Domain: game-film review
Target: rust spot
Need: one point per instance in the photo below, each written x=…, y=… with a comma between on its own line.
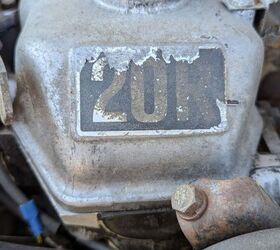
x=235, y=207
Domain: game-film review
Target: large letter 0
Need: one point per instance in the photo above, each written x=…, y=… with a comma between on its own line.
x=160, y=91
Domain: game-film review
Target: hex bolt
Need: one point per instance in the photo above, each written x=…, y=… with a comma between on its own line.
x=189, y=201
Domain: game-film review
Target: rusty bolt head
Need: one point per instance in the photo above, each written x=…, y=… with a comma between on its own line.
x=189, y=201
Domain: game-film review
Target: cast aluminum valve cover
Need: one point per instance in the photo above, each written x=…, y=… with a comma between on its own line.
x=116, y=108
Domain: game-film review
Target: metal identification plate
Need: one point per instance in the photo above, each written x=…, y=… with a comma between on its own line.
x=151, y=91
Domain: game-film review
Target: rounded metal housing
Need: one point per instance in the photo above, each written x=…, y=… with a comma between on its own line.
x=89, y=173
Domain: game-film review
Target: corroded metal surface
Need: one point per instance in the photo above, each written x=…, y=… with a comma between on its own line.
x=235, y=207
x=6, y=103
x=87, y=174
x=151, y=91
x=141, y=6
x=248, y=4
x=190, y=202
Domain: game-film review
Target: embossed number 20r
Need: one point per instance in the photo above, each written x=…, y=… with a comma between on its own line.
x=137, y=96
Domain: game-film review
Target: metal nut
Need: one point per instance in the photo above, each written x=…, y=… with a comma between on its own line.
x=189, y=201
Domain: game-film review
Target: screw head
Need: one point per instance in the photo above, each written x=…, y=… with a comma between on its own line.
x=189, y=201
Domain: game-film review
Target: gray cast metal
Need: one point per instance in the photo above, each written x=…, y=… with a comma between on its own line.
x=94, y=166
